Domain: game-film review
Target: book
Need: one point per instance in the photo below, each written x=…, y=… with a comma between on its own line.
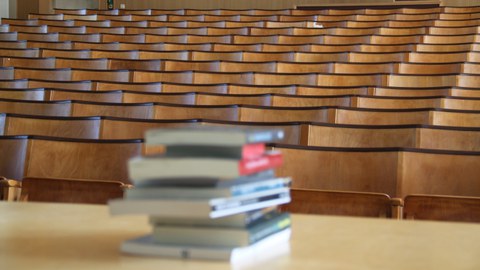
x=154, y=167
x=204, y=208
x=221, y=236
x=212, y=135
x=241, y=220
x=271, y=247
x=179, y=192
x=210, y=182
x=246, y=151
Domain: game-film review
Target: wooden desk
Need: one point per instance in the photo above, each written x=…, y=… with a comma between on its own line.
x=62, y=236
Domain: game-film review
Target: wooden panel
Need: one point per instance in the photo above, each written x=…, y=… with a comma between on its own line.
x=455, y=119
x=110, y=96
x=209, y=99
x=90, y=159
x=184, y=98
x=372, y=117
x=12, y=160
x=360, y=137
x=23, y=94
x=130, y=129
x=226, y=113
x=81, y=85
x=221, y=77
x=97, y=64
x=323, y=202
x=201, y=88
x=397, y=103
x=175, y=77
x=71, y=191
x=316, y=168
x=309, y=101
x=54, y=127
x=101, y=75
x=439, y=174
x=284, y=79
x=260, y=89
x=142, y=111
x=58, y=108
x=275, y=114
x=446, y=139
x=442, y=208
x=138, y=87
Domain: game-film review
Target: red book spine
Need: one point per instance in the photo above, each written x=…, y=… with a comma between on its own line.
x=265, y=162
x=251, y=151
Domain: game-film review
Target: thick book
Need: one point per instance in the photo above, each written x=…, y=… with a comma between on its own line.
x=212, y=135
x=205, y=208
x=154, y=167
x=246, y=151
x=192, y=193
x=221, y=236
x=269, y=248
x=241, y=220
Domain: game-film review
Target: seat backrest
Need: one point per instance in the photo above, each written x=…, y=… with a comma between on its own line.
x=70, y=190
x=444, y=208
x=12, y=159
x=323, y=202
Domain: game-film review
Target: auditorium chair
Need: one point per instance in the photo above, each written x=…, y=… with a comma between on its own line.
x=57, y=74
x=218, y=47
x=193, y=24
x=297, y=39
x=391, y=91
x=343, y=31
x=361, y=68
x=91, y=17
x=80, y=159
x=124, y=110
x=464, y=92
x=340, y=203
x=52, y=37
x=215, y=112
x=151, y=38
x=120, y=54
x=8, y=36
x=408, y=23
x=302, y=90
x=37, y=29
x=245, y=66
x=345, y=80
x=19, y=22
x=186, y=31
x=109, y=17
x=134, y=64
x=126, y=46
x=370, y=102
x=62, y=23
x=430, y=68
x=442, y=208
x=285, y=48
x=58, y=45
x=420, y=81
x=263, y=31
x=40, y=17
x=173, y=98
x=95, y=96
x=23, y=94
x=96, y=23
x=296, y=101
x=157, y=24
x=126, y=128
x=303, y=67
x=283, y=114
x=68, y=29
x=358, y=116
x=219, y=31
x=79, y=37
x=178, y=65
x=202, y=88
x=17, y=44
x=165, y=76
x=254, y=23
x=455, y=118
x=146, y=12
x=168, y=11
x=28, y=62
x=137, y=87
x=377, y=57
x=325, y=48
x=284, y=78
x=45, y=108
x=105, y=30
x=387, y=48
x=82, y=54
x=230, y=99
x=63, y=127
x=6, y=52
x=14, y=152
x=455, y=23
x=71, y=190
x=75, y=63
x=135, y=38
x=261, y=89
x=139, y=17
x=71, y=85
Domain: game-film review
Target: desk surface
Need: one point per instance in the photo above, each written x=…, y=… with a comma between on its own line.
x=72, y=236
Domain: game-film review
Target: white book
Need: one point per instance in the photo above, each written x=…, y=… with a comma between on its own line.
x=269, y=248
x=202, y=208
x=212, y=135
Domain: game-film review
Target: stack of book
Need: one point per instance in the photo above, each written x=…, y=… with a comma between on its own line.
x=212, y=195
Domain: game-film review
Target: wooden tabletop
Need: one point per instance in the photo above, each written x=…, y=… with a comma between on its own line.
x=74, y=236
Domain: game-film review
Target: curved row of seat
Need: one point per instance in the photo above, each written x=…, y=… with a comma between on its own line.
x=296, y=133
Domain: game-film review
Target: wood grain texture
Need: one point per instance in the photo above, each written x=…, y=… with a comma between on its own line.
x=444, y=208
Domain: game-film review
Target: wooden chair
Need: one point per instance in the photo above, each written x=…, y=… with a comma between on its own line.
x=300, y=67
x=261, y=89
x=60, y=45
x=138, y=87
x=327, y=135
x=23, y=94
x=80, y=159
x=123, y=110
x=192, y=24
x=39, y=36
x=285, y=78
x=19, y=22
x=70, y=85
x=268, y=56
x=220, y=88
x=283, y=114
x=386, y=48
x=118, y=128
x=369, y=170
x=173, y=98
x=310, y=101
x=68, y=29
x=7, y=73
x=455, y=118
x=45, y=16
x=165, y=76
x=316, y=57
x=244, y=66
x=286, y=48
x=176, y=65
x=137, y=38
x=173, y=55
x=14, y=153
x=29, y=28
x=219, y=31
x=80, y=37
x=410, y=91
x=382, y=117
x=146, y=30
x=188, y=47
x=263, y=31
x=452, y=30
x=448, y=138
x=327, y=202
x=75, y=63
x=223, y=77
x=71, y=190
x=59, y=74
x=361, y=68
x=331, y=91
x=20, y=52
x=141, y=46
x=9, y=36
x=230, y=99
x=429, y=68
x=219, y=112
x=79, y=22
x=442, y=208
x=115, y=54
x=82, y=54
x=105, y=30
x=419, y=81
x=398, y=102
x=95, y=96
x=31, y=107
x=22, y=44
x=63, y=127
x=338, y=48
x=439, y=172
x=134, y=64
x=186, y=31
x=150, y=38
x=82, y=11
x=346, y=80
x=375, y=57
x=217, y=47
x=434, y=57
